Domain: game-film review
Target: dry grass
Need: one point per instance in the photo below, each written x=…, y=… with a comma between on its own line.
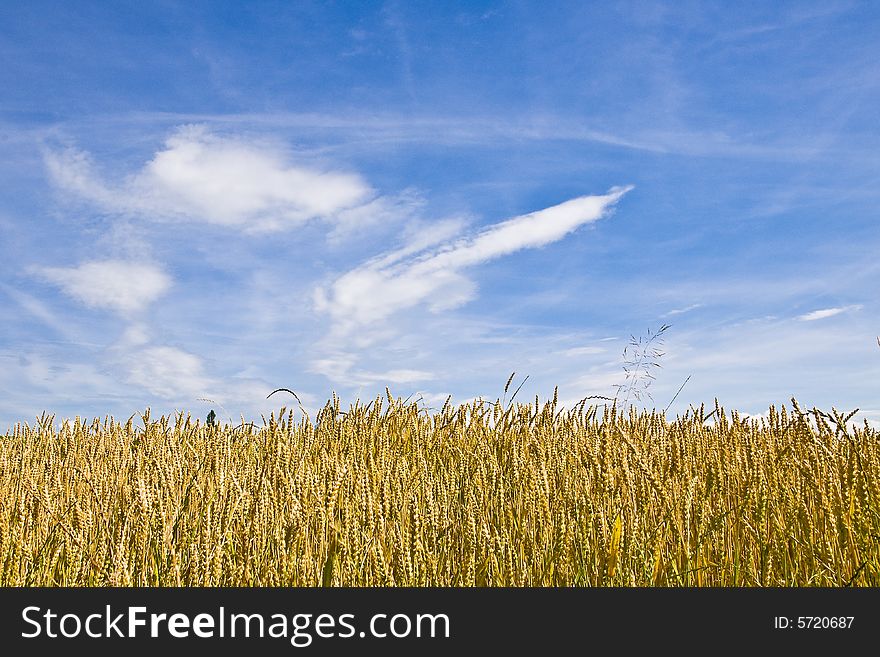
x=476, y=495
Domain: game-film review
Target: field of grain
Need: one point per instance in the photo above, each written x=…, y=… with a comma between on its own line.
x=391, y=494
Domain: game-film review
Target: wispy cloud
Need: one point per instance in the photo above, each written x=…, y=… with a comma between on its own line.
x=37, y=309
x=399, y=211
x=583, y=351
x=380, y=129
x=396, y=376
x=681, y=311
x=599, y=380
x=406, y=278
x=122, y=286
x=168, y=372
x=67, y=381
x=787, y=20
x=335, y=365
x=340, y=367
x=230, y=181
x=394, y=20
x=827, y=312
x=176, y=374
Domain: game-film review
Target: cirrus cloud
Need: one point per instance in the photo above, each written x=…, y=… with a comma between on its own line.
x=229, y=181
x=403, y=279
x=122, y=286
x=827, y=312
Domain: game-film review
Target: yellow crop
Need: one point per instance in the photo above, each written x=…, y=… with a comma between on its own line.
x=478, y=495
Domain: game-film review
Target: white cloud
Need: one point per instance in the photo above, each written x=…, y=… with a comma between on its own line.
x=174, y=374
x=381, y=213
x=410, y=276
x=334, y=366
x=339, y=366
x=680, y=311
x=135, y=335
x=167, y=372
x=199, y=176
x=583, y=351
x=420, y=235
x=74, y=171
x=118, y=285
x=599, y=381
x=827, y=312
x=397, y=376
x=66, y=380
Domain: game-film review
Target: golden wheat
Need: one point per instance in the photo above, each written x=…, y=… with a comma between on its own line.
x=478, y=495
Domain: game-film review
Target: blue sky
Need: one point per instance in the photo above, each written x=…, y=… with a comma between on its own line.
x=210, y=201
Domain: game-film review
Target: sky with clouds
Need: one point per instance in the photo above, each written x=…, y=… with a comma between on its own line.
x=211, y=200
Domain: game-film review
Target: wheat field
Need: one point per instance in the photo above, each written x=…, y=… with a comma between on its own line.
x=391, y=494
